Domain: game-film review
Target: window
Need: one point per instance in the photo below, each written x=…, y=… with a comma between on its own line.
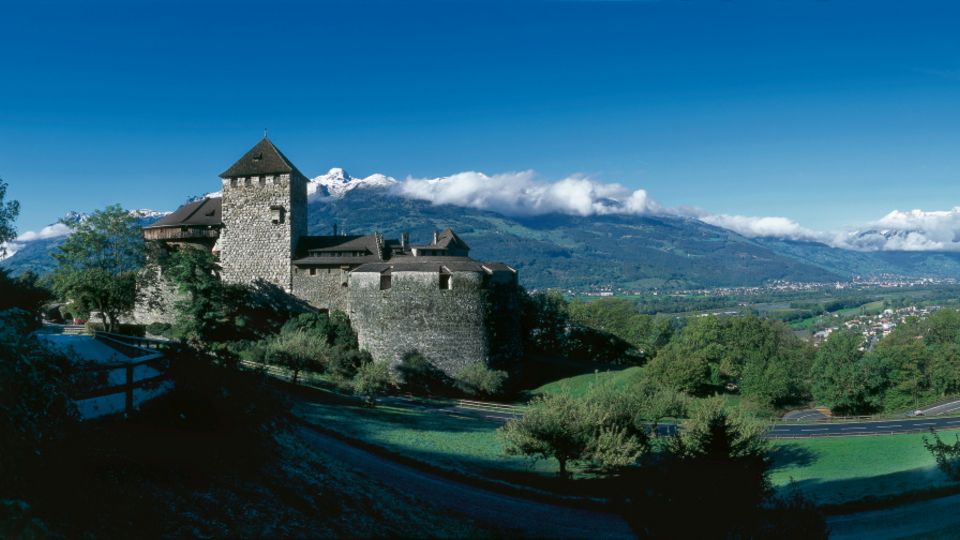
x=313, y=271
x=385, y=282
x=445, y=282
x=277, y=215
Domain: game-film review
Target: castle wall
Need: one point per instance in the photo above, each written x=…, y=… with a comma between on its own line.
x=323, y=290
x=448, y=327
x=252, y=246
x=156, y=298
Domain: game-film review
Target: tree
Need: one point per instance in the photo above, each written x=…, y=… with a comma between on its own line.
x=8, y=214
x=478, y=380
x=372, y=380
x=843, y=378
x=947, y=455
x=554, y=426
x=98, y=262
x=35, y=407
x=210, y=315
x=545, y=321
x=298, y=351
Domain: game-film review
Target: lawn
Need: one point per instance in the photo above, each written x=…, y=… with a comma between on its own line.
x=466, y=445
x=834, y=470
x=579, y=384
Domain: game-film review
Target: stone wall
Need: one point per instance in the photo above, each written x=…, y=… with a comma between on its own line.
x=253, y=246
x=448, y=327
x=325, y=289
x=156, y=297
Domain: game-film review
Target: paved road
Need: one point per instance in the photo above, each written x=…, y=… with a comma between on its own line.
x=871, y=427
x=532, y=518
x=83, y=348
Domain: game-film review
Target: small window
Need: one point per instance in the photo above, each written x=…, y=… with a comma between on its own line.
x=445, y=282
x=277, y=214
x=385, y=281
x=313, y=271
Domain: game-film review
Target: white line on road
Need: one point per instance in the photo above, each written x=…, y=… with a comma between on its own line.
x=890, y=426
x=925, y=424
x=848, y=428
x=818, y=429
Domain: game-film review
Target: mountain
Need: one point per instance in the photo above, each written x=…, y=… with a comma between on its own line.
x=337, y=183
x=32, y=251
x=575, y=252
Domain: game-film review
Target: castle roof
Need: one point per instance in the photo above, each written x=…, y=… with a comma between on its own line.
x=263, y=158
x=338, y=250
x=197, y=213
x=407, y=263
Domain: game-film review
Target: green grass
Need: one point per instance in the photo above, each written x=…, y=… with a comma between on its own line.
x=834, y=470
x=578, y=385
x=465, y=445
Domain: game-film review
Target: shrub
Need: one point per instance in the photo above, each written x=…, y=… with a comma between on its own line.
x=35, y=407
x=371, y=380
x=420, y=376
x=137, y=330
x=479, y=380
x=159, y=329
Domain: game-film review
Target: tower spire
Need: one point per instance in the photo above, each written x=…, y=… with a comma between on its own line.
x=264, y=133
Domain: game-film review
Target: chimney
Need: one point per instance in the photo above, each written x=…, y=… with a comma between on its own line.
x=334, y=228
x=436, y=237
x=404, y=240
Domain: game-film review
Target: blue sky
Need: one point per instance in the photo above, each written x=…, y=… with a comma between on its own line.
x=830, y=113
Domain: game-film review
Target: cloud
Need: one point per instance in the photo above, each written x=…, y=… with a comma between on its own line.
x=50, y=231
x=523, y=194
x=7, y=249
x=916, y=230
x=768, y=226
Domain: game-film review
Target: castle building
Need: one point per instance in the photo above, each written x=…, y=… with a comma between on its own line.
x=429, y=298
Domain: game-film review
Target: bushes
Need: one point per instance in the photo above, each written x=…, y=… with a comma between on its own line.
x=480, y=381
x=371, y=380
x=35, y=407
x=137, y=330
x=159, y=329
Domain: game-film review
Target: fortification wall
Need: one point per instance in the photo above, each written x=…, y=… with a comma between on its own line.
x=448, y=327
x=252, y=245
x=325, y=289
x=156, y=297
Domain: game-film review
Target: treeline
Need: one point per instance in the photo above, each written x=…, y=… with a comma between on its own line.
x=757, y=358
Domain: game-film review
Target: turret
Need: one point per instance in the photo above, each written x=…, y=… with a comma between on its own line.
x=264, y=216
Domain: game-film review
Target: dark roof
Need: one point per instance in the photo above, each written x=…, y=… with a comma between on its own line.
x=264, y=158
x=337, y=243
x=432, y=264
x=203, y=212
x=449, y=239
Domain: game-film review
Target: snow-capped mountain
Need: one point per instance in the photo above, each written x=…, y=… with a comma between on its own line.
x=337, y=182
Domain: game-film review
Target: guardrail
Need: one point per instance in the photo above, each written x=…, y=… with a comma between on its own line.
x=100, y=394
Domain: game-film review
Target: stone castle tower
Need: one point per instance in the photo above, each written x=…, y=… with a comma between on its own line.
x=264, y=217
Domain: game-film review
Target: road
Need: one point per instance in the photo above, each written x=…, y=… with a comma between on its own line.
x=868, y=427
x=532, y=518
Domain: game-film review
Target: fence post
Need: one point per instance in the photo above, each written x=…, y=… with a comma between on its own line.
x=129, y=405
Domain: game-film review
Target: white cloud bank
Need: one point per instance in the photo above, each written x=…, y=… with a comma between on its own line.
x=522, y=194
x=50, y=231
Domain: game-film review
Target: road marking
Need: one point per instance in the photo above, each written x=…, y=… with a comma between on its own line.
x=849, y=428
x=954, y=422
x=818, y=429
x=924, y=424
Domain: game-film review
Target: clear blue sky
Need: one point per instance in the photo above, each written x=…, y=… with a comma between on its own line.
x=828, y=112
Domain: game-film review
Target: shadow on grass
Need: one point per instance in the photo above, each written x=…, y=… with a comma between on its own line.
x=870, y=493
x=792, y=455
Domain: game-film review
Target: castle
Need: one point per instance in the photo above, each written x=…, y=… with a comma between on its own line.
x=429, y=298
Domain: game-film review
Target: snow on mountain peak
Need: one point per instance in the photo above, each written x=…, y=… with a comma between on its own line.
x=337, y=182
